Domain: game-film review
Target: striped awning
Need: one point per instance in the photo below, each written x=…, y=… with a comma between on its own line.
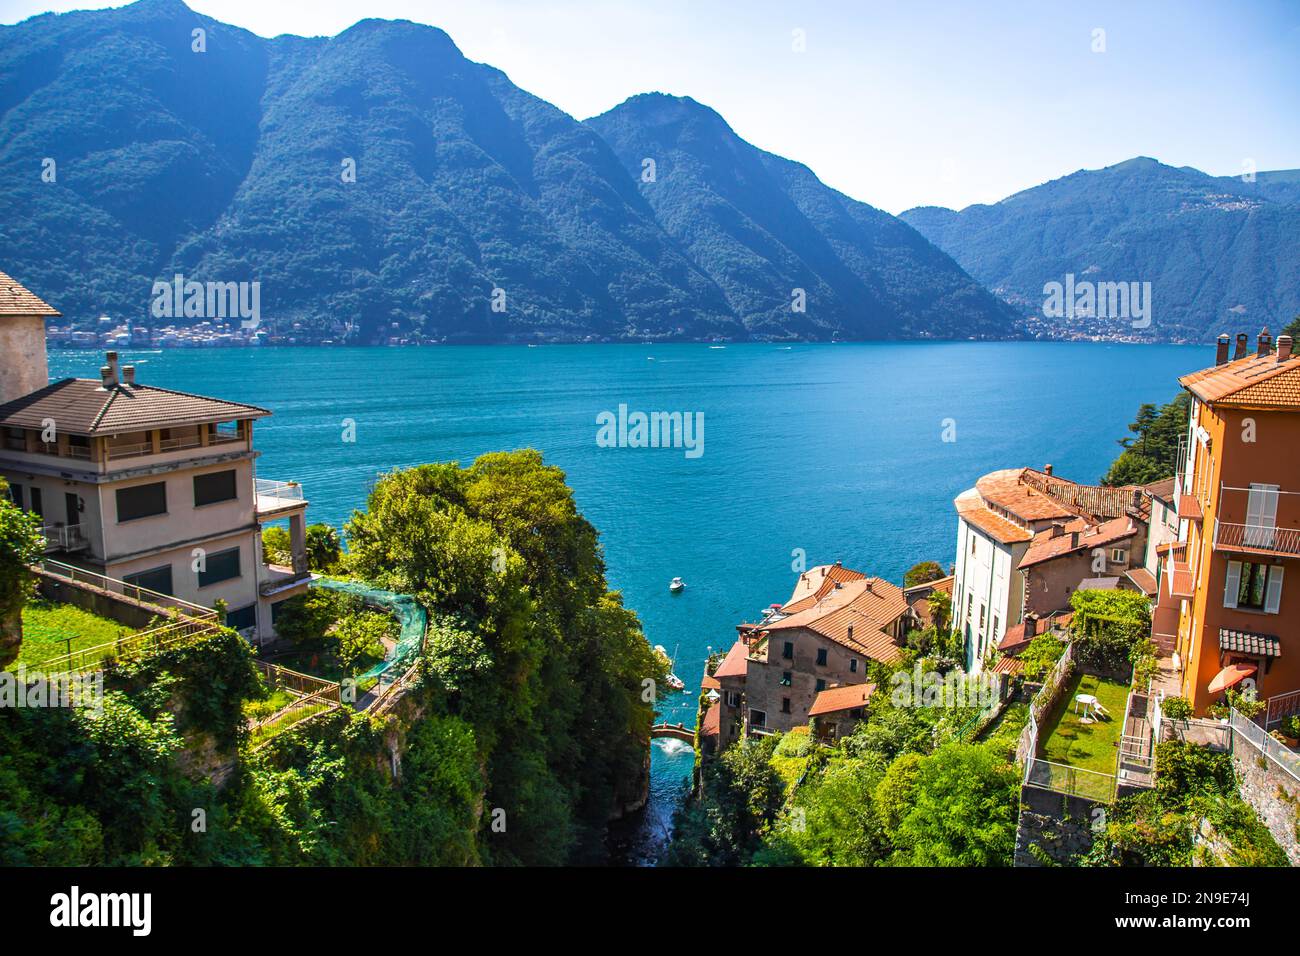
x=1248, y=642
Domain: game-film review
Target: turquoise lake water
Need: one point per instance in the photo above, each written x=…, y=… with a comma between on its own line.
x=836, y=450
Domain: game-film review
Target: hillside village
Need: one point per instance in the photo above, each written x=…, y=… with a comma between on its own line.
x=1110, y=625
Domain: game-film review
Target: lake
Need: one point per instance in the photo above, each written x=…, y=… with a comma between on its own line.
x=830, y=452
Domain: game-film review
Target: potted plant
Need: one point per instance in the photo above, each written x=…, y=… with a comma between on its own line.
x=1176, y=708
x=1291, y=730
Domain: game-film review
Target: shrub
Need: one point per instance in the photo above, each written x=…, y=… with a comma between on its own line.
x=1041, y=656
x=1176, y=708
x=1291, y=726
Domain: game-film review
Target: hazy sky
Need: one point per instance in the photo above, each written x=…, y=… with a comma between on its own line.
x=897, y=104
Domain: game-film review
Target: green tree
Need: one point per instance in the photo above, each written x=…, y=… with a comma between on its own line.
x=20, y=546
x=1151, y=453
x=964, y=811
x=361, y=636
x=923, y=572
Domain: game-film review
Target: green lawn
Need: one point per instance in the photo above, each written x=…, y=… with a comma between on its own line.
x=1065, y=739
x=52, y=630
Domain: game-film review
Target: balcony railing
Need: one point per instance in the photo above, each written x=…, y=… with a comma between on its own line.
x=1253, y=537
x=65, y=537
x=277, y=495
x=140, y=449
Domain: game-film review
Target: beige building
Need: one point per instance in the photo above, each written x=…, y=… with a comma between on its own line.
x=779, y=670
x=148, y=485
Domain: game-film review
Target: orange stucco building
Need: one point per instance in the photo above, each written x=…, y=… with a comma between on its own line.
x=1229, y=599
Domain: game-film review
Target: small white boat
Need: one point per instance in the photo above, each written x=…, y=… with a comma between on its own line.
x=672, y=680
x=676, y=584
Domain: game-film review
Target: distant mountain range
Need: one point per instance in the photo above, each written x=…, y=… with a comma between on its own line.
x=479, y=213
x=1220, y=253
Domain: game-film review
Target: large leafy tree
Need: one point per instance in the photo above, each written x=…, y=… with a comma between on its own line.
x=531, y=648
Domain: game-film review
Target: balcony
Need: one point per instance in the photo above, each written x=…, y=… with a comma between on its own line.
x=65, y=537
x=1266, y=540
x=278, y=499
x=278, y=578
x=165, y=445
x=1178, y=572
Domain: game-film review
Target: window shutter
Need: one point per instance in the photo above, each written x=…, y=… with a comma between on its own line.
x=1273, y=600
x=1232, y=585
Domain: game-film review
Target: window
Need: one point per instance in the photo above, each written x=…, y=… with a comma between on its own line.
x=218, y=486
x=275, y=612
x=785, y=705
x=996, y=622
x=821, y=657
x=733, y=698
x=757, y=718
x=821, y=685
x=853, y=665
x=141, y=501
x=787, y=652
x=1118, y=555
x=38, y=506
x=1253, y=586
x=244, y=617
x=221, y=566
x=155, y=579
x=785, y=678
x=16, y=494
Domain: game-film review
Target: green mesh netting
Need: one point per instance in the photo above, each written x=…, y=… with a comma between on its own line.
x=412, y=617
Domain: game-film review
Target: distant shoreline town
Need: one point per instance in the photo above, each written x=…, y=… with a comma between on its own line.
x=109, y=334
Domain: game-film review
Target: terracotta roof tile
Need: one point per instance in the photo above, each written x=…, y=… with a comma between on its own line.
x=1252, y=381
x=1009, y=665
x=971, y=509
x=16, y=300
x=1045, y=546
x=733, y=665
x=1006, y=489
x=815, y=583
x=81, y=406
x=855, y=616
x=835, y=699
x=712, y=723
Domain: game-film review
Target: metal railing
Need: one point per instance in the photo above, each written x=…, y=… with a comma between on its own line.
x=133, y=591
x=1254, y=537
x=130, y=645
x=1265, y=743
x=65, y=537
x=1074, y=781
x=1280, y=707
x=277, y=494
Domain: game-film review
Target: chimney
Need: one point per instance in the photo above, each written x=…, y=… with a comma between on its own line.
x=128, y=375
x=1283, y=347
x=850, y=632
x=839, y=564
x=1058, y=529
x=1265, y=343
x=1047, y=469
x=1221, y=350
x=1243, y=345
x=109, y=370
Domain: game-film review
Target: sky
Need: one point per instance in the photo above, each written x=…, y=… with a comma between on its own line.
x=898, y=104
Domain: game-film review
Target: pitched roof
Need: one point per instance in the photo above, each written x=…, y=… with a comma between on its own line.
x=815, y=583
x=1009, y=665
x=1047, y=545
x=16, y=300
x=733, y=665
x=712, y=721
x=1162, y=489
x=971, y=510
x=841, y=698
x=82, y=406
x=1006, y=489
x=1252, y=381
x=1144, y=580
x=854, y=615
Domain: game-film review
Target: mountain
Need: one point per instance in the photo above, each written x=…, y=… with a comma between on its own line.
x=1220, y=253
x=477, y=213
x=761, y=226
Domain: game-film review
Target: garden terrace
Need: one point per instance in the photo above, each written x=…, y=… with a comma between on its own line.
x=1078, y=755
